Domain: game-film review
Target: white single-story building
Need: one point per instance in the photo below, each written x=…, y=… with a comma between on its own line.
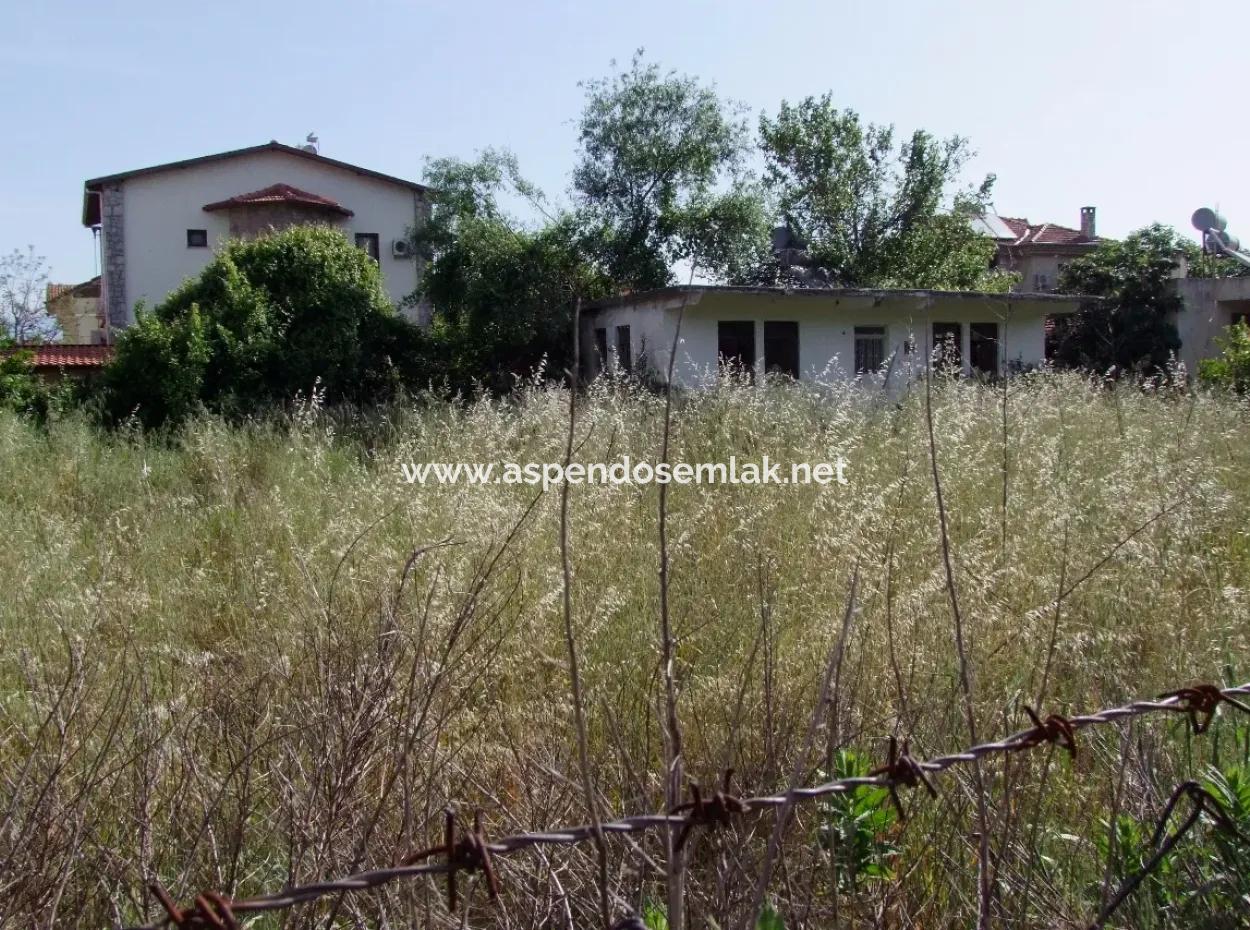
x=817, y=333
x=161, y=225
x=1210, y=306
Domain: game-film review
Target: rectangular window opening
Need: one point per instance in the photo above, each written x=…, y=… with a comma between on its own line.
x=869, y=348
x=197, y=238
x=781, y=348
x=601, y=349
x=368, y=242
x=983, y=348
x=624, y=349
x=948, y=346
x=736, y=346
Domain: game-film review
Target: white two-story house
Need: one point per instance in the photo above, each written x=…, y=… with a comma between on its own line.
x=161, y=225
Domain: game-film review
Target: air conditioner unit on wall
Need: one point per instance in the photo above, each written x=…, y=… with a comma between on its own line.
x=401, y=248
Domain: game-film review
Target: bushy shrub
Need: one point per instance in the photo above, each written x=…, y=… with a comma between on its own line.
x=1232, y=368
x=22, y=391
x=266, y=320
x=17, y=379
x=1130, y=328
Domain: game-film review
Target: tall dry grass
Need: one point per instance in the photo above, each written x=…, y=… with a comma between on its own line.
x=254, y=656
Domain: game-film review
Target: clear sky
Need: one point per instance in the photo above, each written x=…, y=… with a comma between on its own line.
x=1114, y=103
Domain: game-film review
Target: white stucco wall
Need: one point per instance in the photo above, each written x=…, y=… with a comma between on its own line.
x=826, y=329
x=159, y=209
x=1208, y=308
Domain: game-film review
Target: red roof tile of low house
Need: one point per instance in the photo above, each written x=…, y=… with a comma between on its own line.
x=64, y=355
x=1044, y=233
x=281, y=193
x=86, y=289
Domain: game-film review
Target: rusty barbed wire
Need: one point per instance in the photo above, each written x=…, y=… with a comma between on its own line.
x=1204, y=802
x=472, y=852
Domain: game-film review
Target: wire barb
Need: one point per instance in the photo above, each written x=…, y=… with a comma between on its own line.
x=715, y=811
x=1203, y=802
x=209, y=910
x=1200, y=702
x=902, y=769
x=469, y=853
x=1054, y=729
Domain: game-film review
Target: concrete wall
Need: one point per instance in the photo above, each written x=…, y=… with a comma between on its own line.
x=826, y=330
x=1209, y=305
x=1031, y=266
x=158, y=209
x=79, y=318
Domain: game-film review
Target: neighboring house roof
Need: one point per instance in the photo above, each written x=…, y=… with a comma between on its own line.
x=281, y=193
x=60, y=355
x=698, y=290
x=86, y=289
x=91, y=200
x=1027, y=233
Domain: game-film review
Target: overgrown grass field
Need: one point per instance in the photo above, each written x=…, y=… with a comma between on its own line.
x=248, y=656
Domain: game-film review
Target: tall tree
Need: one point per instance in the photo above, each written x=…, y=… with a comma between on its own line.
x=659, y=178
x=502, y=291
x=24, y=316
x=1132, y=327
x=872, y=213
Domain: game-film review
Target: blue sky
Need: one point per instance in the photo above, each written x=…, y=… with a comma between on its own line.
x=1106, y=102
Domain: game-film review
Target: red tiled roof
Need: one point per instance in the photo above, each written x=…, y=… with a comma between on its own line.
x=281, y=193
x=86, y=289
x=64, y=355
x=1044, y=233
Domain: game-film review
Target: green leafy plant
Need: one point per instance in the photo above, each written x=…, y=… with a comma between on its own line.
x=856, y=826
x=1232, y=368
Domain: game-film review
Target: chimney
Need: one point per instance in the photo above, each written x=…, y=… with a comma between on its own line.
x=1087, y=223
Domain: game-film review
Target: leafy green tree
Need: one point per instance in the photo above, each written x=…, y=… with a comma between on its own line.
x=502, y=293
x=265, y=320
x=1131, y=328
x=659, y=179
x=872, y=212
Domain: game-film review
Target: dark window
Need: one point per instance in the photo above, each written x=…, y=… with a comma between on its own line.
x=369, y=243
x=781, y=347
x=948, y=345
x=736, y=345
x=197, y=238
x=624, y=351
x=1239, y=317
x=601, y=349
x=869, y=348
x=983, y=347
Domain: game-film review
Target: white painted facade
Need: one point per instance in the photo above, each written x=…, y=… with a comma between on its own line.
x=826, y=328
x=154, y=209
x=1210, y=306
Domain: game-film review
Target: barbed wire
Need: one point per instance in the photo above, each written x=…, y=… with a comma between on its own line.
x=470, y=851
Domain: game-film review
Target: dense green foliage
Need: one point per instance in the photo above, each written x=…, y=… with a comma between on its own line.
x=659, y=179
x=503, y=294
x=873, y=213
x=298, y=311
x=1131, y=327
x=18, y=385
x=1232, y=368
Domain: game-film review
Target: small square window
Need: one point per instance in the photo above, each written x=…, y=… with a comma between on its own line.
x=197, y=238
x=368, y=242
